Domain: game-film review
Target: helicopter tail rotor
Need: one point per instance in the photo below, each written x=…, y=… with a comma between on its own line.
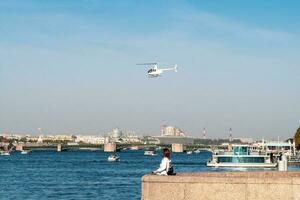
x=175, y=68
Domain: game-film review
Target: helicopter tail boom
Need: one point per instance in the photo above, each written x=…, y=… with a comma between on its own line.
x=171, y=69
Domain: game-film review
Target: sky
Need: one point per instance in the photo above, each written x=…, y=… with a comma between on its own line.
x=70, y=66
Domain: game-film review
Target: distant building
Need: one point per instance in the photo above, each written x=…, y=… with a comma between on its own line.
x=11, y=136
x=178, y=140
x=150, y=140
x=276, y=146
x=88, y=139
x=171, y=131
x=172, y=134
x=124, y=137
x=116, y=132
x=245, y=140
x=40, y=140
x=63, y=137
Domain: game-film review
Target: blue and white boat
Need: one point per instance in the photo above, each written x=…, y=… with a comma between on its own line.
x=241, y=157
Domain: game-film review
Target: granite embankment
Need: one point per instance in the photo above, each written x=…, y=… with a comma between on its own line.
x=223, y=186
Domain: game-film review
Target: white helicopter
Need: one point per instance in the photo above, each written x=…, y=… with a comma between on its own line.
x=155, y=72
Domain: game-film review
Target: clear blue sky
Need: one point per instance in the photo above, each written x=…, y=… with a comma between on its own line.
x=69, y=66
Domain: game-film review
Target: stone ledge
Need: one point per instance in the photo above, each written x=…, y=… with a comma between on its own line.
x=235, y=174
x=223, y=185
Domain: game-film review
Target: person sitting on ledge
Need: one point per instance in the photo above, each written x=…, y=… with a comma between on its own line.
x=165, y=167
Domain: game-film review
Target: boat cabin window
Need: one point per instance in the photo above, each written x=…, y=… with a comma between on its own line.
x=271, y=148
x=241, y=159
x=241, y=150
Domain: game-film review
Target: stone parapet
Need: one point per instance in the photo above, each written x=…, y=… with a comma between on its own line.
x=223, y=186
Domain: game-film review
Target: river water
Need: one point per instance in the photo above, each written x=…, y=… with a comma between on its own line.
x=84, y=174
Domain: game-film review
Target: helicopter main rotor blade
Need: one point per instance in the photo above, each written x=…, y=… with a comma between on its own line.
x=146, y=63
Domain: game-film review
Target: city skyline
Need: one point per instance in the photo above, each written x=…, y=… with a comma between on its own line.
x=70, y=66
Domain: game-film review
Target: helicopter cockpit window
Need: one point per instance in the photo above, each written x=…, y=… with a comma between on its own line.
x=151, y=70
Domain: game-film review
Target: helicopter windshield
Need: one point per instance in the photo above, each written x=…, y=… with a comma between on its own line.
x=151, y=70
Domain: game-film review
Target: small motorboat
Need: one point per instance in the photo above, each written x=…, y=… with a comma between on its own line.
x=197, y=151
x=113, y=158
x=5, y=153
x=24, y=152
x=150, y=153
x=189, y=152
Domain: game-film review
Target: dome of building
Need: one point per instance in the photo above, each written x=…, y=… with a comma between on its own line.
x=116, y=132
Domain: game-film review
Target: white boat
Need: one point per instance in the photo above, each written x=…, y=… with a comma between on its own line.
x=197, y=151
x=134, y=148
x=24, y=152
x=5, y=153
x=189, y=152
x=150, y=153
x=113, y=158
x=240, y=157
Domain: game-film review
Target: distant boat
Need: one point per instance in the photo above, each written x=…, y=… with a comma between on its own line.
x=134, y=148
x=72, y=143
x=197, y=151
x=89, y=148
x=150, y=153
x=241, y=157
x=189, y=152
x=113, y=158
x=24, y=152
x=5, y=153
x=158, y=148
x=293, y=161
